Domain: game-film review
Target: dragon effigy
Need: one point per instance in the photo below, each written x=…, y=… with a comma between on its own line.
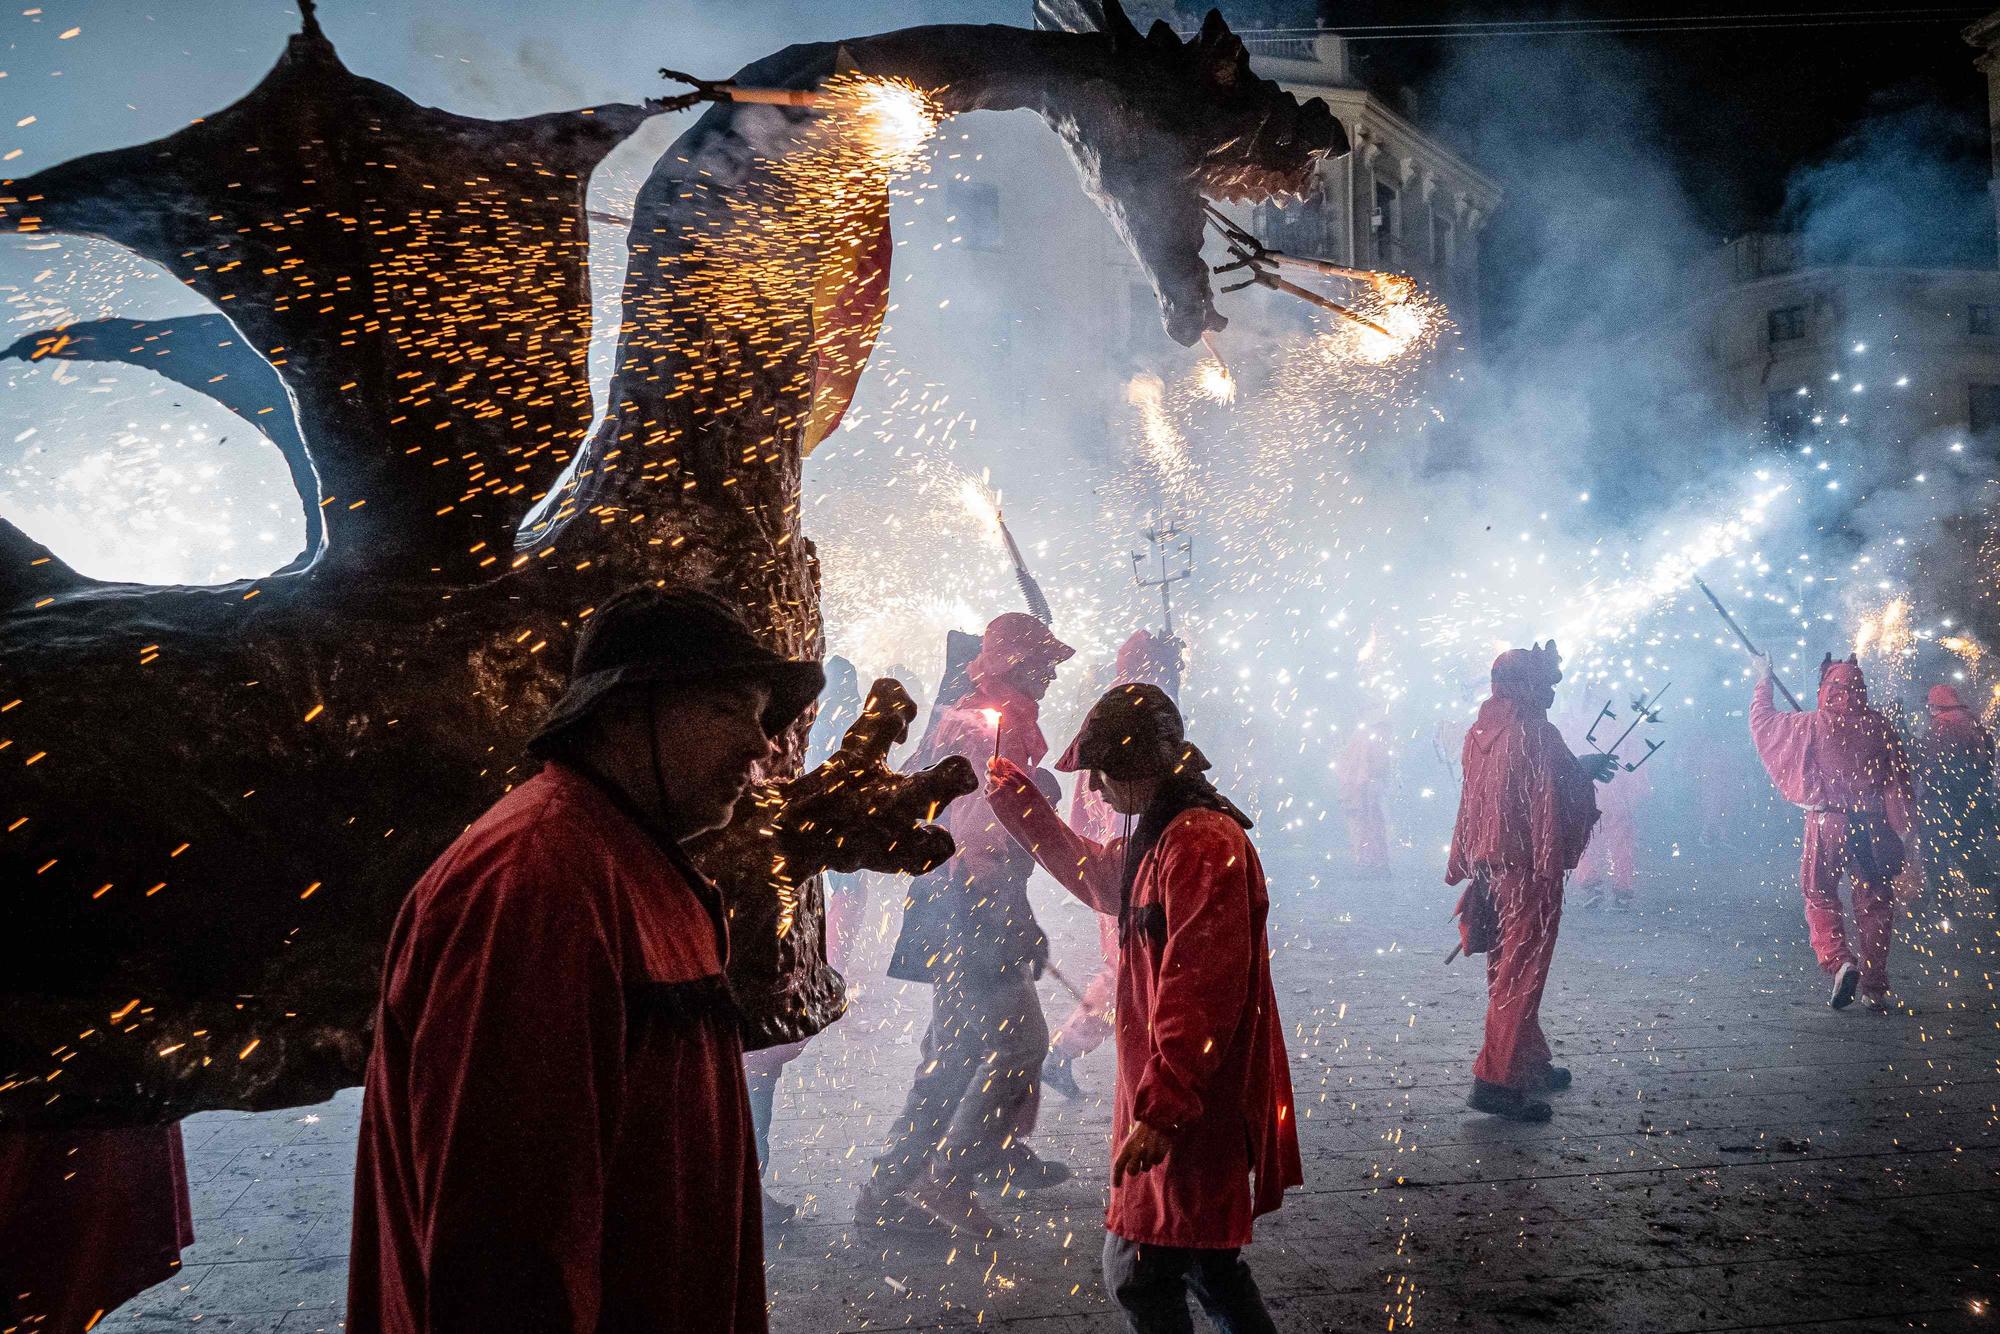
x=214, y=798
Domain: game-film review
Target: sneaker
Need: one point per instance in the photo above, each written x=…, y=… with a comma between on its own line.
x=1845, y=982
x=778, y=1215
x=954, y=1210
x=1056, y=1074
x=1021, y=1168
x=1513, y=1105
x=1556, y=1079
x=890, y=1211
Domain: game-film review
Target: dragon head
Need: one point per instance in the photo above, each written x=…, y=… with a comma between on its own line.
x=1176, y=123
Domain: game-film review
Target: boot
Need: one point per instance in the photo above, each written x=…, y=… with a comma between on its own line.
x=1511, y=1104
x=1056, y=1074
x=1023, y=1169
x=952, y=1208
x=1845, y=982
x=1556, y=1079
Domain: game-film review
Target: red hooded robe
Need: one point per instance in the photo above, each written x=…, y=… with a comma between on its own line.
x=1201, y=1047
x=556, y=1135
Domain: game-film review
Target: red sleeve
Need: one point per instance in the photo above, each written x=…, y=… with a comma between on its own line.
x=1205, y=967
x=516, y=1059
x=1781, y=740
x=1091, y=872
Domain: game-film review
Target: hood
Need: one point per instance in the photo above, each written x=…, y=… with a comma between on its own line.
x=1528, y=676
x=1842, y=688
x=1945, y=699
x=1151, y=659
x=1013, y=641
x=1498, y=714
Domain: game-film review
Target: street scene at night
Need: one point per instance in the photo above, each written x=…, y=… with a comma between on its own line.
x=1039, y=664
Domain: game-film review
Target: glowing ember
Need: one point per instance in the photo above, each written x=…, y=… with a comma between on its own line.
x=1215, y=382
x=896, y=116
x=982, y=503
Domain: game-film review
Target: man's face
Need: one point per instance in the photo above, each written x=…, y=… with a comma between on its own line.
x=710, y=744
x=1034, y=677
x=1120, y=796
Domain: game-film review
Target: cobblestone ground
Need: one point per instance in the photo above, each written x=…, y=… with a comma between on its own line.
x=1734, y=1156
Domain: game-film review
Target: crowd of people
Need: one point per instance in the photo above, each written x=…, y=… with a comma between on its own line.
x=561, y=1129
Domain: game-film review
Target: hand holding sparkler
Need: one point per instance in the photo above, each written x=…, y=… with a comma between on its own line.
x=1001, y=772
x=995, y=719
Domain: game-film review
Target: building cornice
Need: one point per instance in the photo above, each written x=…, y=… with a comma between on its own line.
x=1305, y=78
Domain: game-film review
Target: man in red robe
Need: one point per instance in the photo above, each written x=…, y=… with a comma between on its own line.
x=1203, y=1119
x=1955, y=799
x=1153, y=660
x=89, y=1219
x=969, y=932
x=1843, y=763
x=556, y=1136
x=1524, y=815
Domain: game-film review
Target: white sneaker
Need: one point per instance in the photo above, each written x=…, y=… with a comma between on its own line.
x=1844, y=984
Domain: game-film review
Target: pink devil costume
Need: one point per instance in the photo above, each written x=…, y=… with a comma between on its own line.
x=1844, y=765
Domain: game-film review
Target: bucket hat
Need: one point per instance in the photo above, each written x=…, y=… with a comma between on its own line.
x=649, y=636
x=1133, y=731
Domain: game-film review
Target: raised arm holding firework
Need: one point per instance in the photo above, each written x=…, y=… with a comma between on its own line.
x=1844, y=766
x=1203, y=1125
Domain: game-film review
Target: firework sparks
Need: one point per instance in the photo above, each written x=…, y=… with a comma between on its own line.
x=982, y=503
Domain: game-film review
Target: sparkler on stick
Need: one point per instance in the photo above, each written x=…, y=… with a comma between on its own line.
x=1216, y=380
x=985, y=506
x=995, y=718
x=1748, y=647
x=898, y=115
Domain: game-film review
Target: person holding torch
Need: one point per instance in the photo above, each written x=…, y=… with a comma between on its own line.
x=1203, y=1122
x=970, y=933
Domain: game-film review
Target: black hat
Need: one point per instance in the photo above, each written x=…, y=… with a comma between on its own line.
x=649, y=636
x=1133, y=731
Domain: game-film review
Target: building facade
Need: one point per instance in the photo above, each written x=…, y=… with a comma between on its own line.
x=1811, y=351
x=1401, y=201
x=1823, y=352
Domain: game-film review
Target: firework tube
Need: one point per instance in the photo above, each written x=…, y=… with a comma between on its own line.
x=1038, y=603
x=1748, y=647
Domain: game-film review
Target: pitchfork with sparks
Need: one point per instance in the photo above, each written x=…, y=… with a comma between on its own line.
x=1263, y=264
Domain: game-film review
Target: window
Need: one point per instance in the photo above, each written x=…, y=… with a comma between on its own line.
x=1787, y=323
x=1979, y=319
x=1983, y=409
x=1383, y=223
x=1787, y=413
x=976, y=206
x=1441, y=239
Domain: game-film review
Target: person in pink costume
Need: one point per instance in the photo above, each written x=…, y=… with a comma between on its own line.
x=1844, y=765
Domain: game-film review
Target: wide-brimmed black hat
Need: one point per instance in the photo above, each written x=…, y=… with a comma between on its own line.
x=1133, y=731
x=650, y=636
